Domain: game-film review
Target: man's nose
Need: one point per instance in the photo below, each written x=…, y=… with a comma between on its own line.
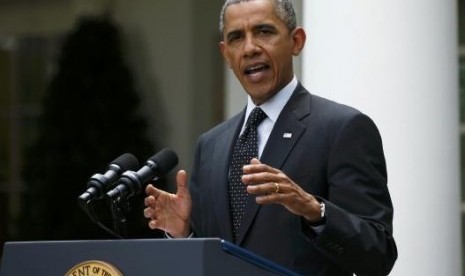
x=251, y=46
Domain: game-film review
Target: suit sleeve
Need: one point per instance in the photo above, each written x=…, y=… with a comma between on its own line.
x=358, y=229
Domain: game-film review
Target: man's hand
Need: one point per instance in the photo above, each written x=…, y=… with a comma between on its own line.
x=170, y=212
x=271, y=185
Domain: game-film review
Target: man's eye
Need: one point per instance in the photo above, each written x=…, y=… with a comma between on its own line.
x=234, y=37
x=265, y=31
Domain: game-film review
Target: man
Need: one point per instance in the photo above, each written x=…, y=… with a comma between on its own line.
x=317, y=201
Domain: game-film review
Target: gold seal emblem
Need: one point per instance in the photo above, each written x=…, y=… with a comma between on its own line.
x=94, y=268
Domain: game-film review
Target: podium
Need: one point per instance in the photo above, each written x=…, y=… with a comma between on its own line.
x=210, y=256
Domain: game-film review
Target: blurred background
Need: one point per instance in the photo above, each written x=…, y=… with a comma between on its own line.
x=83, y=81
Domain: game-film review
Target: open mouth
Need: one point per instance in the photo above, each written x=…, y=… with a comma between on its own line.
x=255, y=69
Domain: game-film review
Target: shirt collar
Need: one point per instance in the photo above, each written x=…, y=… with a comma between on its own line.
x=275, y=105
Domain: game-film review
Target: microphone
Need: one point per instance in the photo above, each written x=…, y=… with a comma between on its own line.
x=131, y=183
x=98, y=184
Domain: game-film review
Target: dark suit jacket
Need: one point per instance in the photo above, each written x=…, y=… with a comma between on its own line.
x=336, y=154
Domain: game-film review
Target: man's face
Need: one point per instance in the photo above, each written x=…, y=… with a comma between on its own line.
x=259, y=48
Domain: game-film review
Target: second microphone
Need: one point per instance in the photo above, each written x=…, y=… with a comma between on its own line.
x=132, y=183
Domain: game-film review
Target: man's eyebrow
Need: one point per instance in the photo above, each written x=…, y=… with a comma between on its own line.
x=264, y=26
x=238, y=32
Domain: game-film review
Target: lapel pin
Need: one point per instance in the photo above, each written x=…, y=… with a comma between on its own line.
x=287, y=135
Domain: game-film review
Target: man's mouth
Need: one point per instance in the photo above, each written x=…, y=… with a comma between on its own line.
x=254, y=69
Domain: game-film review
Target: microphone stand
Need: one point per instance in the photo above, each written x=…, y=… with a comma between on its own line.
x=119, y=210
x=89, y=210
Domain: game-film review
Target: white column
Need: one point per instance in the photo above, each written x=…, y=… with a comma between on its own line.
x=396, y=61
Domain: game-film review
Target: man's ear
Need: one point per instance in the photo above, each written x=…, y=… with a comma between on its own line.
x=223, y=52
x=298, y=37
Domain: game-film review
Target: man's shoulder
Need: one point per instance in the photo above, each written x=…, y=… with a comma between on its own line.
x=305, y=101
x=331, y=107
x=324, y=113
x=225, y=126
x=334, y=115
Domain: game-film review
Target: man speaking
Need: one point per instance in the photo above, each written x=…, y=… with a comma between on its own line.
x=294, y=177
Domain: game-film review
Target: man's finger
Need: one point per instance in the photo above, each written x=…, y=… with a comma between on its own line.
x=255, y=166
x=149, y=201
x=255, y=161
x=181, y=182
x=151, y=190
x=153, y=224
x=148, y=213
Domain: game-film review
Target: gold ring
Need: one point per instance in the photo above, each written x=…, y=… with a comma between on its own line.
x=276, y=190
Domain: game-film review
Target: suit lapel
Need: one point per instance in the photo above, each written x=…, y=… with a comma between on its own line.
x=220, y=172
x=279, y=144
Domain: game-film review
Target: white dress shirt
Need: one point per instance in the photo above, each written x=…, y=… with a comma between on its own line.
x=272, y=109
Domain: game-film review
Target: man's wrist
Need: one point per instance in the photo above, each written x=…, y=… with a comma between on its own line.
x=186, y=231
x=191, y=234
x=322, y=218
x=322, y=210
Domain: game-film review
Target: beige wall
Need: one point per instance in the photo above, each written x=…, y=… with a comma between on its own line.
x=173, y=50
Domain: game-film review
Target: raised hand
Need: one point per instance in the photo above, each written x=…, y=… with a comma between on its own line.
x=170, y=212
x=271, y=185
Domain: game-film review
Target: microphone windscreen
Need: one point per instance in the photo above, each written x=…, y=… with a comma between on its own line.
x=126, y=161
x=166, y=159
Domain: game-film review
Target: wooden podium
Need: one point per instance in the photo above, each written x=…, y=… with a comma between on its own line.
x=134, y=258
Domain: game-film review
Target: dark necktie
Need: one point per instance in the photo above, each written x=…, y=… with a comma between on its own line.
x=245, y=149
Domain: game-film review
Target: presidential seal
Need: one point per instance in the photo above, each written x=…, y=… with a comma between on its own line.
x=94, y=268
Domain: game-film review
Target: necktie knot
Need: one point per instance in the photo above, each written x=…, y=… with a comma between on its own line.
x=256, y=117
